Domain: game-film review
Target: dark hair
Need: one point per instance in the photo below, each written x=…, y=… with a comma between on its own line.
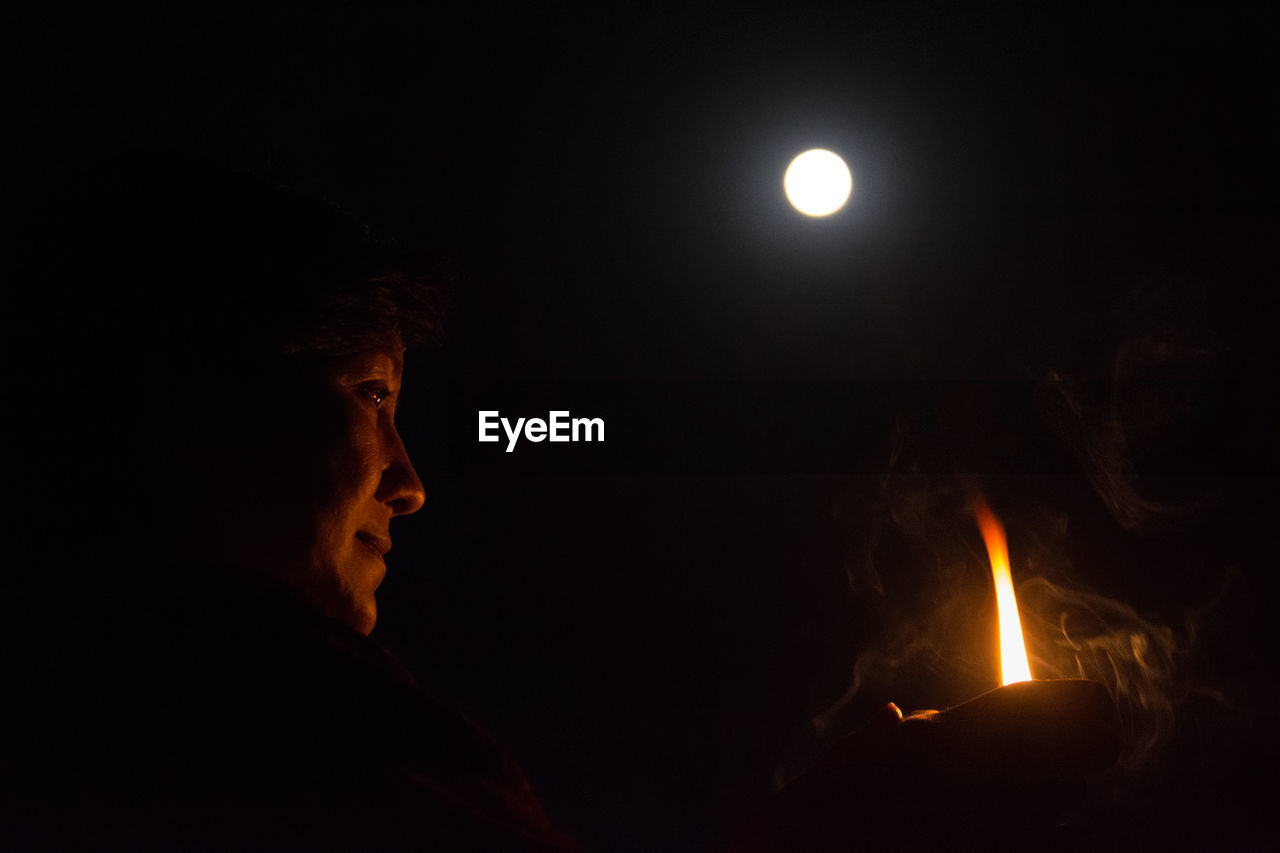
x=166, y=249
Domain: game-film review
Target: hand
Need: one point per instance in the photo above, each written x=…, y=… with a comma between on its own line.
x=998, y=768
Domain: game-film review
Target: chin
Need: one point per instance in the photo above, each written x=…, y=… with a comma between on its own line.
x=363, y=618
x=360, y=614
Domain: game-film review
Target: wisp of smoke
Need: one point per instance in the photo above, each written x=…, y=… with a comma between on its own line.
x=1075, y=634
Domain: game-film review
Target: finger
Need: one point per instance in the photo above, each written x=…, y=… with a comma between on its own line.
x=869, y=737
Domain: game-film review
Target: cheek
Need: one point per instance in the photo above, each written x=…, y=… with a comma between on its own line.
x=349, y=465
x=310, y=475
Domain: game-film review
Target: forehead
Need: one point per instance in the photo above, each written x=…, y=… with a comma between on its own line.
x=388, y=363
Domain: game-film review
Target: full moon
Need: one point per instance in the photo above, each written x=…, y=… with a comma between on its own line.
x=818, y=183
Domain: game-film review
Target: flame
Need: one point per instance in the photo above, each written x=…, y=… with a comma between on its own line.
x=1013, y=652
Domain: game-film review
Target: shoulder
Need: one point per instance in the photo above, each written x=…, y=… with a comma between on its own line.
x=240, y=703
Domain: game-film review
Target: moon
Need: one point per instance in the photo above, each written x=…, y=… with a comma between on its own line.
x=818, y=182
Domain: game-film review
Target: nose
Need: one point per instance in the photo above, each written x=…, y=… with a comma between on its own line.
x=400, y=487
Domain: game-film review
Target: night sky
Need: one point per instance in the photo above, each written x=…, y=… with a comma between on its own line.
x=1054, y=276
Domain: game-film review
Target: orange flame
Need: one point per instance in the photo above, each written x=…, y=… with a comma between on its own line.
x=1013, y=652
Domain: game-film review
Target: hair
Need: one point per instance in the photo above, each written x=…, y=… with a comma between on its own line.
x=167, y=249
x=157, y=283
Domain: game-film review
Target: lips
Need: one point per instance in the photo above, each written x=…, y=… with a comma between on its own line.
x=377, y=544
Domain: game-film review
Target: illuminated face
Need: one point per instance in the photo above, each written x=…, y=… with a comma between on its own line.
x=302, y=487
x=365, y=478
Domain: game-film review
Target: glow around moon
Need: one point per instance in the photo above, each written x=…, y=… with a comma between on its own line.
x=818, y=183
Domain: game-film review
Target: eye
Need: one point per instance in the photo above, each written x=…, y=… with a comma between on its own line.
x=376, y=392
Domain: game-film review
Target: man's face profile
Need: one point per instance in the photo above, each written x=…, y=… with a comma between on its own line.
x=303, y=491
x=370, y=480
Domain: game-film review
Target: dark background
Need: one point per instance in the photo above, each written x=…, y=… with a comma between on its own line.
x=1053, y=213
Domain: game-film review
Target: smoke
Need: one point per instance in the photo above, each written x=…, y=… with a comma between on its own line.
x=1113, y=623
x=1153, y=417
x=1146, y=665
x=942, y=650
x=938, y=648
x=1105, y=438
